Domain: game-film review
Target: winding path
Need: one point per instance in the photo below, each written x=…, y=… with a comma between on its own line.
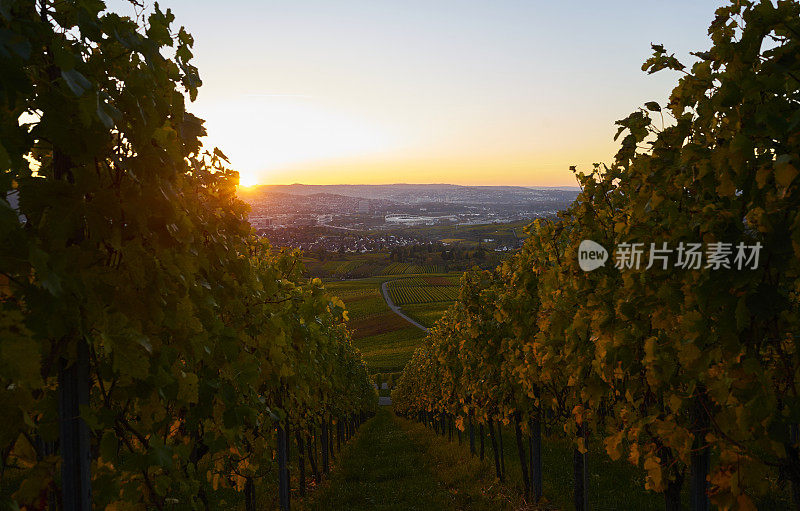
x=396, y=309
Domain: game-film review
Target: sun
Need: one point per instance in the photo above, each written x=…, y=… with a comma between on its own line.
x=265, y=135
x=246, y=180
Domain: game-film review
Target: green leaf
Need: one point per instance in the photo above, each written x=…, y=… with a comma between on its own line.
x=220, y=154
x=12, y=42
x=742, y=314
x=63, y=57
x=108, y=446
x=77, y=83
x=5, y=160
x=144, y=342
x=785, y=172
x=106, y=119
x=160, y=455
x=5, y=9
x=20, y=358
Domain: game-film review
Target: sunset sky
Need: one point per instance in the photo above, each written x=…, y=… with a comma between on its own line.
x=464, y=92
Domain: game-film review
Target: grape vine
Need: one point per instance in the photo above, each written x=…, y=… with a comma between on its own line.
x=132, y=294
x=688, y=374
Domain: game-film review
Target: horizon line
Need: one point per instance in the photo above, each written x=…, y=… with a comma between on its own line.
x=407, y=184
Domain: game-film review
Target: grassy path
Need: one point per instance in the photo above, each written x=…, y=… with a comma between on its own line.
x=398, y=464
x=383, y=470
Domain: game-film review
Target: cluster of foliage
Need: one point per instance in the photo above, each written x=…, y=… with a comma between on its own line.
x=123, y=248
x=662, y=365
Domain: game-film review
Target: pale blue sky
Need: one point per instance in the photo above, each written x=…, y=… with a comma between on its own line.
x=473, y=92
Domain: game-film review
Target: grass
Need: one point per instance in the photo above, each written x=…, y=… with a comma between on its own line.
x=470, y=482
x=612, y=484
x=383, y=469
x=398, y=464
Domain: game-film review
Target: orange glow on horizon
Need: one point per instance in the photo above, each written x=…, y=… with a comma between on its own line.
x=522, y=170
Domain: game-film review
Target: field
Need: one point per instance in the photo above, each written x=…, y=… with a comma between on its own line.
x=364, y=266
x=407, y=268
x=470, y=234
x=376, y=324
x=385, y=339
x=448, y=255
x=417, y=290
x=427, y=313
x=388, y=352
x=341, y=267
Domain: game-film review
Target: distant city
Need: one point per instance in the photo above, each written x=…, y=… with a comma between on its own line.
x=368, y=218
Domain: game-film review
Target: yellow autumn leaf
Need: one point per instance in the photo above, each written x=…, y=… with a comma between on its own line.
x=761, y=176
x=726, y=188
x=650, y=350
x=688, y=354
x=785, y=174
x=633, y=456
x=613, y=445
x=655, y=477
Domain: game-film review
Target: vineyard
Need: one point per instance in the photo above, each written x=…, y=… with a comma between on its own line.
x=687, y=374
x=416, y=290
x=154, y=355
x=427, y=314
x=407, y=268
x=385, y=340
x=368, y=265
x=342, y=267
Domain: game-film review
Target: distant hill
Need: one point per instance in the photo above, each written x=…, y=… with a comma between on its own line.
x=365, y=191
x=419, y=193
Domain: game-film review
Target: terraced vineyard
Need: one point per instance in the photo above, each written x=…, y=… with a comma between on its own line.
x=415, y=290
